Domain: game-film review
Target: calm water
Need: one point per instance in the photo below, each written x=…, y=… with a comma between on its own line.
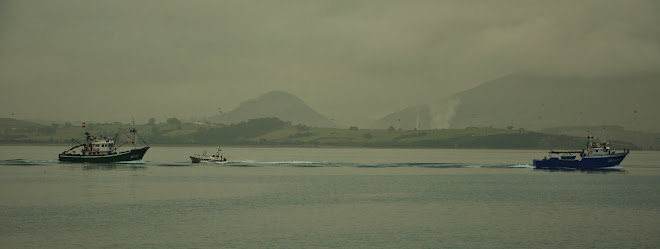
x=325, y=198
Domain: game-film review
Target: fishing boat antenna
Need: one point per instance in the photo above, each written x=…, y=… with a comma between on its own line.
x=136, y=136
x=145, y=142
x=134, y=131
x=127, y=136
x=134, y=139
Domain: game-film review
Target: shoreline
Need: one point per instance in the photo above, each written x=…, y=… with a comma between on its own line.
x=303, y=146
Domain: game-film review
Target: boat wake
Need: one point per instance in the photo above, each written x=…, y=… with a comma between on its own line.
x=317, y=164
x=253, y=163
x=25, y=162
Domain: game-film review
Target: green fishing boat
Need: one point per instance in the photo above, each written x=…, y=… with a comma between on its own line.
x=103, y=150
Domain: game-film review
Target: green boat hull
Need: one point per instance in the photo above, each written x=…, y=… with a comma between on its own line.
x=124, y=156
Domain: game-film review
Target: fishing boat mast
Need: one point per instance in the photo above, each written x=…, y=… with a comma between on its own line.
x=134, y=131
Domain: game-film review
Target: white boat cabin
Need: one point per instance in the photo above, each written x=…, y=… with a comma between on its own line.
x=597, y=149
x=99, y=147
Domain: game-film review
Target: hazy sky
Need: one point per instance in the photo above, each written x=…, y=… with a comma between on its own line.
x=350, y=60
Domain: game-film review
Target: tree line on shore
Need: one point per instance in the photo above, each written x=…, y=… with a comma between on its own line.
x=275, y=132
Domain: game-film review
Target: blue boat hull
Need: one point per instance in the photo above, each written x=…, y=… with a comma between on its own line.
x=594, y=162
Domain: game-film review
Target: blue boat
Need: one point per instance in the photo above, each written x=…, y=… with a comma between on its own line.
x=595, y=156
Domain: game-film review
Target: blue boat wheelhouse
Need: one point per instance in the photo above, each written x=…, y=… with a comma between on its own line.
x=595, y=156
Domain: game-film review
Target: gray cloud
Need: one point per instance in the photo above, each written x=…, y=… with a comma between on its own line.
x=350, y=60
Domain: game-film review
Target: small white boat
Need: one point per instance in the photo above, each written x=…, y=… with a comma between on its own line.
x=215, y=157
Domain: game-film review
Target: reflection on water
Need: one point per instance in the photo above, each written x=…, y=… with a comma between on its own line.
x=586, y=171
x=141, y=165
x=109, y=167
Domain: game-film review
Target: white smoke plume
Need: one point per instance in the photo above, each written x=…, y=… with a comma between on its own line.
x=443, y=111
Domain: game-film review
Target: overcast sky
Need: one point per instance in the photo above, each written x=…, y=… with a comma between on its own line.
x=351, y=60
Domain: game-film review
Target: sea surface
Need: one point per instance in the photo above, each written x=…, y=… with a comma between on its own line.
x=325, y=198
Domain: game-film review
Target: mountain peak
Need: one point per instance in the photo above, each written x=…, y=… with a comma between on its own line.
x=277, y=94
x=279, y=104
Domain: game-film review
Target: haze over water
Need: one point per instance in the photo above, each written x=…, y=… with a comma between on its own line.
x=591, y=64
x=352, y=61
x=325, y=197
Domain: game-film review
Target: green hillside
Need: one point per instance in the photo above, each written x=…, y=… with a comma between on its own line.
x=15, y=124
x=486, y=138
x=274, y=132
x=644, y=140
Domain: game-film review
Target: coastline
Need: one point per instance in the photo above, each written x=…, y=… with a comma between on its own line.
x=197, y=145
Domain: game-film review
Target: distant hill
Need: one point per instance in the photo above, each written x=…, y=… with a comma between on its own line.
x=537, y=102
x=14, y=130
x=611, y=133
x=277, y=104
x=275, y=132
x=11, y=123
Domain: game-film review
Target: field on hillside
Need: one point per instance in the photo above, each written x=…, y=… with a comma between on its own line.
x=274, y=132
